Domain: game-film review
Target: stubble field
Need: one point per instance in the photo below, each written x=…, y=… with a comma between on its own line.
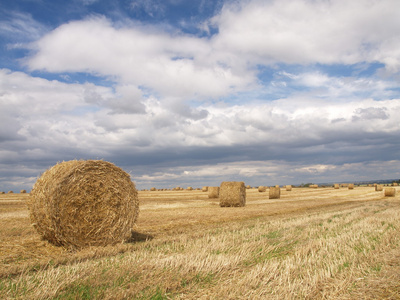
x=319, y=243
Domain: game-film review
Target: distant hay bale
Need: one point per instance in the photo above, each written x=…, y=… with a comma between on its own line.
x=351, y=186
x=80, y=203
x=262, y=189
x=204, y=189
x=10, y=192
x=313, y=186
x=395, y=184
x=378, y=188
x=277, y=186
x=288, y=188
x=274, y=193
x=336, y=186
x=390, y=192
x=213, y=192
x=22, y=192
x=232, y=194
x=2, y=192
x=152, y=189
x=189, y=188
x=248, y=187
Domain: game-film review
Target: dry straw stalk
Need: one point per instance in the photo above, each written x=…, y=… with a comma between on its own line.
x=84, y=203
x=232, y=193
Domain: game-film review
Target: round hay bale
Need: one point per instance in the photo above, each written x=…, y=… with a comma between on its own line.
x=274, y=193
x=390, y=192
x=395, y=184
x=204, y=189
x=80, y=203
x=288, y=188
x=262, y=189
x=351, y=186
x=378, y=188
x=336, y=186
x=213, y=191
x=23, y=192
x=232, y=194
x=189, y=188
x=2, y=192
x=153, y=189
x=248, y=186
x=10, y=192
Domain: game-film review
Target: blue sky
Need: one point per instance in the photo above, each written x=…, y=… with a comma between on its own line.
x=192, y=93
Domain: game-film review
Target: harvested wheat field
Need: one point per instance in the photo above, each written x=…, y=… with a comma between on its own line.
x=320, y=243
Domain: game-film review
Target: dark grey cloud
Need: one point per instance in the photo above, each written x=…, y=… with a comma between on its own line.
x=371, y=113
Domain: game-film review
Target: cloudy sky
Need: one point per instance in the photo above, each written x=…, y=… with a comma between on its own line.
x=192, y=93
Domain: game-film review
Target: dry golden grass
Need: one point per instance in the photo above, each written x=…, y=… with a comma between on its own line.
x=320, y=243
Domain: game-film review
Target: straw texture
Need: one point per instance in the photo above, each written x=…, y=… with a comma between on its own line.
x=213, y=192
x=390, y=192
x=232, y=194
x=274, y=193
x=80, y=203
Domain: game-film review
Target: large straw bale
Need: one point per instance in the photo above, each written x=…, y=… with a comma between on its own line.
x=288, y=188
x=262, y=189
x=378, y=188
x=82, y=203
x=232, y=194
x=390, y=192
x=213, y=191
x=274, y=193
x=351, y=186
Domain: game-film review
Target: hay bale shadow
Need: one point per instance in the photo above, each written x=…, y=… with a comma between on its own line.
x=140, y=237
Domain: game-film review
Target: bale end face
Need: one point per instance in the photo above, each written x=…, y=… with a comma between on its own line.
x=213, y=192
x=76, y=204
x=262, y=189
x=232, y=194
x=274, y=193
x=390, y=192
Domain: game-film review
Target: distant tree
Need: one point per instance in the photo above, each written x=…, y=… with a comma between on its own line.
x=306, y=184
